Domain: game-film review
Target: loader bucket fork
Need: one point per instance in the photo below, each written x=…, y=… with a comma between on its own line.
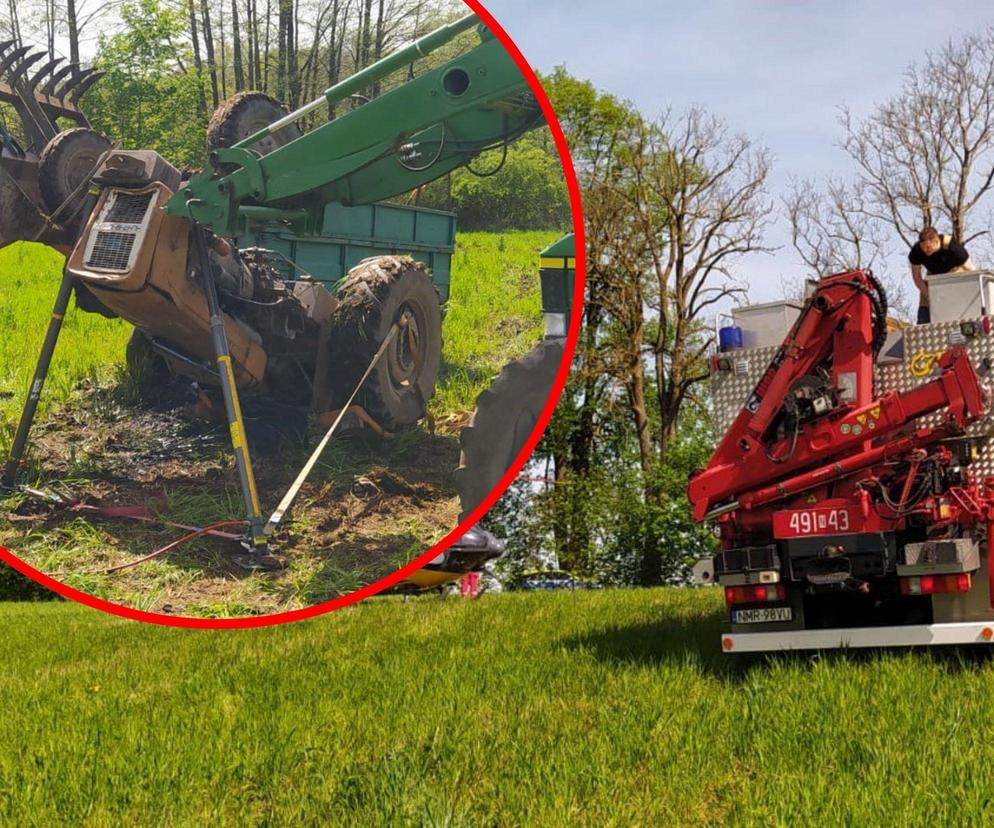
x=41, y=89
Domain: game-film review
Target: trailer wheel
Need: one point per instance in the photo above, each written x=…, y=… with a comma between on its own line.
x=245, y=114
x=66, y=162
x=506, y=413
x=374, y=295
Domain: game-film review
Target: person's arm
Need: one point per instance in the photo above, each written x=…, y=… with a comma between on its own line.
x=919, y=280
x=915, y=258
x=958, y=254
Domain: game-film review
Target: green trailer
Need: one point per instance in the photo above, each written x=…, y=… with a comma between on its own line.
x=351, y=234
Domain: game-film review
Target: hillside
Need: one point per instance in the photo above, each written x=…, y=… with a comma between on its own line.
x=597, y=708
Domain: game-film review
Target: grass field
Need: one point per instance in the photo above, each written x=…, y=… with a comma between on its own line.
x=93, y=438
x=601, y=708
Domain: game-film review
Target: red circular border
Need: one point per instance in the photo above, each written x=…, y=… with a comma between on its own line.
x=244, y=622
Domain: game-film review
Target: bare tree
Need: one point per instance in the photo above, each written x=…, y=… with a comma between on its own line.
x=700, y=204
x=830, y=229
x=678, y=202
x=927, y=155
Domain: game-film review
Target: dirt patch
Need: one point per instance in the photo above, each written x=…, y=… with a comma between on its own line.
x=371, y=505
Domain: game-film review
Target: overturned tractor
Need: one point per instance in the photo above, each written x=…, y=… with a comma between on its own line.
x=162, y=251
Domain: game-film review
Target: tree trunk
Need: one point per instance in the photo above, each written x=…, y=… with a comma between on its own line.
x=379, y=41
x=643, y=429
x=209, y=48
x=197, y=63
x=236, y=49
x=15, y=25
x=264, y=66
x=335, y=41
x=224, y=52
x=292, y=67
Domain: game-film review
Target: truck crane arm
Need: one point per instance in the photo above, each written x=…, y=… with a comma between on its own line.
x=812, y=417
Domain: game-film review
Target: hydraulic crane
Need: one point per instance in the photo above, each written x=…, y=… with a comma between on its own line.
x=844, y=505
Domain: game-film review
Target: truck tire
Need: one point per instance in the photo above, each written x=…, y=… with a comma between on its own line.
x=374, y=295
x=67, y=160
x=245, y=114
x=506, y=414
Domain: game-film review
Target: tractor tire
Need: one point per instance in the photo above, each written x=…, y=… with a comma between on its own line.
x=373, y=296
x=506, y=414
x=20, y=219
x=245, y=114
x=66, y=162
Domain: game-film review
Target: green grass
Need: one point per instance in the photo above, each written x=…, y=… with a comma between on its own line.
x=601, y=708
x=493, y=316
x=90, y=347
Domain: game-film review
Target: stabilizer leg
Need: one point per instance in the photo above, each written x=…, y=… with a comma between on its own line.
x=37, y=382
x=257, y=540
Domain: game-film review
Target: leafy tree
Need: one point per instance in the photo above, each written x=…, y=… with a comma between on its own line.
x=148, y=100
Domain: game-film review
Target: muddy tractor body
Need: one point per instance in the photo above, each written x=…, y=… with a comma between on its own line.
x=229, y=275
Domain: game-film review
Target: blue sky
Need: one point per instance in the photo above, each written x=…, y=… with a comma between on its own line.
x=774, y=70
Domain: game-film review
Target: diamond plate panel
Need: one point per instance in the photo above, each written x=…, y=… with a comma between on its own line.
x=922, y=343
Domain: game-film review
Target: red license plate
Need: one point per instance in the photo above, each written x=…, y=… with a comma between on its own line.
x=798, y=523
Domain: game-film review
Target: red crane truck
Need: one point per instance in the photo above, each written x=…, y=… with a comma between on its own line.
x=853, y=486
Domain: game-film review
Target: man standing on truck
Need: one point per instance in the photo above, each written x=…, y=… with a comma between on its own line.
x=937, y=254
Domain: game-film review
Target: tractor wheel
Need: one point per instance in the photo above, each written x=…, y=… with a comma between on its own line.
x=20, y=219
x=506, y=414
x=245, y=114
x=67, y=161
x=374, y=295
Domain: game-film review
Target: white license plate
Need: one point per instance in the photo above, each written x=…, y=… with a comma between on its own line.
x=764, y=615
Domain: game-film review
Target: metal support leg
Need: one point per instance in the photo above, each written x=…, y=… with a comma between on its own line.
x=257, y=538
x=37, y=383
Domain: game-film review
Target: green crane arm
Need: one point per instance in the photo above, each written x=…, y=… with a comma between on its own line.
x=402, y=139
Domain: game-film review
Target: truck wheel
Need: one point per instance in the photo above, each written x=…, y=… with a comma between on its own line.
x=65, y=163
x=506, y=413
x=374, y=295
x=245, y=114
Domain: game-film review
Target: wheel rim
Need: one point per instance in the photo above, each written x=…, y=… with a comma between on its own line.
x=406, y=354
x=79, y=167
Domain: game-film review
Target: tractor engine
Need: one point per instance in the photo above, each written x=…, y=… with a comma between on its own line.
x=134, y=261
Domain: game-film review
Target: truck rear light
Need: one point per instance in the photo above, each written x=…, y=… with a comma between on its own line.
x=931, y=584
x=754, y=594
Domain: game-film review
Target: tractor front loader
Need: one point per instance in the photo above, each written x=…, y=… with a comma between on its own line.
x=160, y=251
x=42, y=165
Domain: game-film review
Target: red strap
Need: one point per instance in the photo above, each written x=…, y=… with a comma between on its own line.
x=146, y=515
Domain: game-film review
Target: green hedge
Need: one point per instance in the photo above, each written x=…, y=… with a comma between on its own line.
x=16, y=587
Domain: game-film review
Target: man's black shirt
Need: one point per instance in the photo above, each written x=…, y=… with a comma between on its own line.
x=947, y=257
